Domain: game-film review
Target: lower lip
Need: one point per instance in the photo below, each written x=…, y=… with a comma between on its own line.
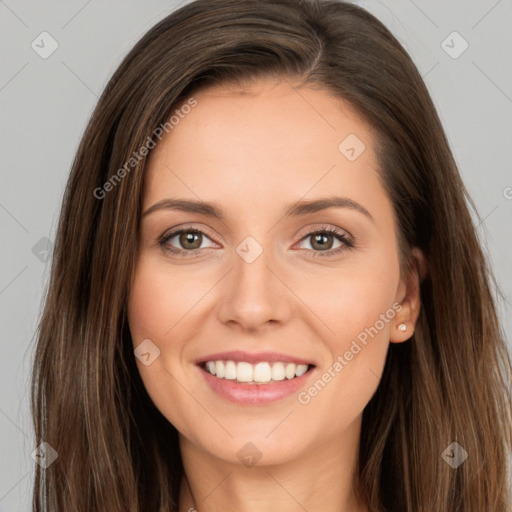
x=255, y=394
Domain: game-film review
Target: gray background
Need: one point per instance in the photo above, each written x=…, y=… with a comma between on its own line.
x=45, y=104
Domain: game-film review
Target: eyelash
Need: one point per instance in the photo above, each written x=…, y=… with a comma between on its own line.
x=346, y=240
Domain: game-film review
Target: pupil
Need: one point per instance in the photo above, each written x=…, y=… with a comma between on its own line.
x=322, y=239
x=189, y=238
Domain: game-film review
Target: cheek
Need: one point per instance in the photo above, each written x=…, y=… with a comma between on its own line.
x=160, y=300
x=362, y=306
x=154, y=313
x=150, y=305
x=157, y=305
x=353, y=299
x=359, y=309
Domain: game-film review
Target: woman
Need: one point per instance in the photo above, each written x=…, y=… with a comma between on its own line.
x=329, y=340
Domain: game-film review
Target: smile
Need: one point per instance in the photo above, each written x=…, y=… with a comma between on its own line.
x=255, y=379
x=260, y=373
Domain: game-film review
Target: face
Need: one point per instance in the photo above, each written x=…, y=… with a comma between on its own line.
x=273, y=289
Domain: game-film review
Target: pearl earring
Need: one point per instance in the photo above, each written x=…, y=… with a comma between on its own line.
x=402, y=327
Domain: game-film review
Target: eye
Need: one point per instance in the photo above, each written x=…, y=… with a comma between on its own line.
x=323, y=239
x=188, y=240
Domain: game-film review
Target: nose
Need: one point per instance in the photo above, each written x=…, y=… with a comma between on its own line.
x=254, y=295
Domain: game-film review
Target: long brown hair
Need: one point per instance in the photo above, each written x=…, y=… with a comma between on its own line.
x=448, y=383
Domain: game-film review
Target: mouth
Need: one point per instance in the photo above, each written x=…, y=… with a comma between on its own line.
x=254, y=379
x=264, y=372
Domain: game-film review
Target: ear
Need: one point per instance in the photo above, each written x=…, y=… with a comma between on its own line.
x=409, y=297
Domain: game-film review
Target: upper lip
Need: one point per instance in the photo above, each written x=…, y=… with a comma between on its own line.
x=240, y=355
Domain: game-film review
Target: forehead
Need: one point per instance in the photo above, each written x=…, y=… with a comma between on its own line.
x=266, y=142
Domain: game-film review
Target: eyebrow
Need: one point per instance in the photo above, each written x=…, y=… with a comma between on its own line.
x=301, y=207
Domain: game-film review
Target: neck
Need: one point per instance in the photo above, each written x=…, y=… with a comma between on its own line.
x=320, y=478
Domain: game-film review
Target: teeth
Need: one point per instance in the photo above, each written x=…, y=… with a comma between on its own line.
x=289, y=370
x=301, y=369
x=260, y=373
x=278, y=371
x=210, y=366
x=230, y=370
x=219, y=369
x=244, y=372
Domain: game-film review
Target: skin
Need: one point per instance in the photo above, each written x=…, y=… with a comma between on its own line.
x=252, y=154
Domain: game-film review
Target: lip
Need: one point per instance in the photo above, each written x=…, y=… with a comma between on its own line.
x=260, y=357
x=255, y=394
